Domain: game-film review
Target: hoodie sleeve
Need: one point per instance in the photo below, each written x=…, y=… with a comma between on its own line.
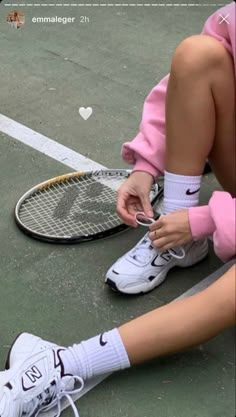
x=216, y=220
x=147, y=150
x=219, y=29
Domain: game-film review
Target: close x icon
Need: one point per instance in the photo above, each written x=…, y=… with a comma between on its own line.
x=223, y=19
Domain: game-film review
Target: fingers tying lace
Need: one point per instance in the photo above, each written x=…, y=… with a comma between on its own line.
x=146, y=222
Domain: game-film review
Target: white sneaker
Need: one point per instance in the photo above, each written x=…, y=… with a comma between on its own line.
x=143, y=268
x=35, y=381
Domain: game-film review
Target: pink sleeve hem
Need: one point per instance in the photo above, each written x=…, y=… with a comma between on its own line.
x=142, y=165
x=201, y=222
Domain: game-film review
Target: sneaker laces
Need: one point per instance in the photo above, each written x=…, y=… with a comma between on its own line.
x=142, y=252
x=145, y=246
x=52, y=396
x=67, y=394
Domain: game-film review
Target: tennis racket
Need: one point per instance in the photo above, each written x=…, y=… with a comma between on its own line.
x=75, y=207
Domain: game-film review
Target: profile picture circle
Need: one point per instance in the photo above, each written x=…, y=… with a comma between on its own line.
x=16, y=19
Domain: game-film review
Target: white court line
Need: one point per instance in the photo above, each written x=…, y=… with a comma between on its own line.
x=46, y=146
x=76, y=161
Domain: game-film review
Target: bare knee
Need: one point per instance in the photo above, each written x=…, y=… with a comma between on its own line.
x=198, y=54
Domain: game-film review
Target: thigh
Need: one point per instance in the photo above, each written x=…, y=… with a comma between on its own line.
x=223, y=153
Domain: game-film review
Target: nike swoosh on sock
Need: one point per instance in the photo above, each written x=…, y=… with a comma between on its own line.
x=189, y=192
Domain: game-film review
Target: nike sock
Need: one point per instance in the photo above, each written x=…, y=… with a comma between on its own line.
x=180, y=191
x=96, y=356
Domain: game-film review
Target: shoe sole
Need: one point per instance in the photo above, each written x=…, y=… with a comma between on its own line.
x=155, y=283
x=136, y=290
x=112, y=286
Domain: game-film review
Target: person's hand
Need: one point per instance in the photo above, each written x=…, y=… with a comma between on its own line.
x=171, y=230
x=133, y=196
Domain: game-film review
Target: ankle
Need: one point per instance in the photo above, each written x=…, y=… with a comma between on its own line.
x=180, y=191
x=99, y=355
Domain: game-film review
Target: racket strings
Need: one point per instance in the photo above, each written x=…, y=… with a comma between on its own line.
x=79, y=206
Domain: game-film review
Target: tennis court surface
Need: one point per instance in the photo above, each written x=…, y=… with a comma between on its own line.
x=48, y=71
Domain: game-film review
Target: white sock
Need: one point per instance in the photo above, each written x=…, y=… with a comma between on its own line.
x=96, y=356
x=180, y=191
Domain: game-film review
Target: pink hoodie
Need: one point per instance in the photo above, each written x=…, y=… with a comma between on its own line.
x=147, y=149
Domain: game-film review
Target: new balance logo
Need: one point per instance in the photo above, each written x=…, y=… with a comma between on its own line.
x=33, y=374
x=30, y=377
x=166, y=256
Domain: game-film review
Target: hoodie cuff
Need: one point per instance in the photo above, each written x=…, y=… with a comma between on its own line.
x=201, y=222
x=143, y=165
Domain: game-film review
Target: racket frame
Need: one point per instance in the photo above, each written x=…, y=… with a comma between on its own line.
x=123, y=173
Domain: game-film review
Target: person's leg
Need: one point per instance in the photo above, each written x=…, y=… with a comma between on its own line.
x=41, y=373
x=200, y=111
x=182, y=324
x=174, y=327
x=200, y=125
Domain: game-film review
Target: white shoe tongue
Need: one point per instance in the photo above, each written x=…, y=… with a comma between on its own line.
x=69, y=383
x=143, y=252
